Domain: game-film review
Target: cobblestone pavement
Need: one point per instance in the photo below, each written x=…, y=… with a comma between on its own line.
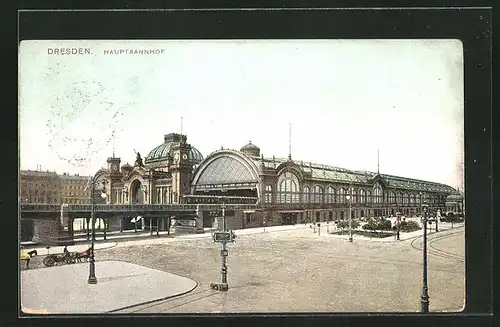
x=298, y=271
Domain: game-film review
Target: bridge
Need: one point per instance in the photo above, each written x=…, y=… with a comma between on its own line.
x=34, y=211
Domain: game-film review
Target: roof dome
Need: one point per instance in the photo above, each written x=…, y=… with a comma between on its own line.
x=251, y=149
x=127, y=167
x=164, y=150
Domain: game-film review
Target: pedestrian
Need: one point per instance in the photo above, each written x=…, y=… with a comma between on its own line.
x=398, y=224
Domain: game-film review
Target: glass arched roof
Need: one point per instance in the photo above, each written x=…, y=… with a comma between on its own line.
x=225, y=170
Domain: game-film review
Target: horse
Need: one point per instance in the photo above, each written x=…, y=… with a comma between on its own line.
x=26, y=256
x=82, y=256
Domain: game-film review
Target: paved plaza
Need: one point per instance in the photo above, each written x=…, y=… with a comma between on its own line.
x=64, y=289
x=281, y=269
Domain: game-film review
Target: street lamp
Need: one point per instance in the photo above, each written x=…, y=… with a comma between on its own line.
x=438, y=215
x=223, y=237
x=92, y=278
x=349, y=198
x=424, y=302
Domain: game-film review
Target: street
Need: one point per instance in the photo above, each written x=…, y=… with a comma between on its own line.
x=296, y=270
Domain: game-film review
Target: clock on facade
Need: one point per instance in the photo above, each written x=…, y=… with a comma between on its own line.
x=114, y=168
x=184, y=156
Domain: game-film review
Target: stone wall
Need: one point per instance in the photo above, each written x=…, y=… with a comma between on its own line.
x=50, y=232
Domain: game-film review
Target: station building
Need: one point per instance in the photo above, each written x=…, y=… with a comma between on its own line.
x=285, y=191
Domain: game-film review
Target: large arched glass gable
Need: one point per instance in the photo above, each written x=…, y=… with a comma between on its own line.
x=288, y=188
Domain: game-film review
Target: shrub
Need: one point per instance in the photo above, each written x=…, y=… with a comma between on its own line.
x=409, y=226
x=378, y=225
x=384, y=225
x=370, y=225
x=343, y=224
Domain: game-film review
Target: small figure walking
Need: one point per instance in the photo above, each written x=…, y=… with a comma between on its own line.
x=398, y=224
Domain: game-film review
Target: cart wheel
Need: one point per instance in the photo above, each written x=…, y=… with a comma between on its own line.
x=49, y=261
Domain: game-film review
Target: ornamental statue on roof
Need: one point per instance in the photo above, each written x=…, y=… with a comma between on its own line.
x=138, y=160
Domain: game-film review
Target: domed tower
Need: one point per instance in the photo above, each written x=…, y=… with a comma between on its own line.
x=251, y=150
x=176, y=157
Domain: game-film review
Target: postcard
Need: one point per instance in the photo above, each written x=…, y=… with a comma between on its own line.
x=241, y=176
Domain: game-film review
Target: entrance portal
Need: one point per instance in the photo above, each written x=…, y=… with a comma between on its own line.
x=137, y=193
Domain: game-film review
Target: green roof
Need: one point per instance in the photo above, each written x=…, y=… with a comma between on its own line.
x=342, y=175
x=163, y=151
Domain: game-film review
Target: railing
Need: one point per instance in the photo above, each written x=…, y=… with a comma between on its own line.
x=126, y=207
x=40, y=207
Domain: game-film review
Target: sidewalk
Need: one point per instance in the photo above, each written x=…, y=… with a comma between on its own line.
x=145, y=237
x=64, y=289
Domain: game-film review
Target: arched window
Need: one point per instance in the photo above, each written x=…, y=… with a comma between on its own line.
x=369, y=197
x=288, y=188
x=392, y=197
x=377, y=194
x=268, y=194
x=354, y=196
x=405, y=198
x=317, y=194
x=341, y=196
x=362, y=196
x=400, y=198
x=330, y=198
x=306, y=194
x=412, y=199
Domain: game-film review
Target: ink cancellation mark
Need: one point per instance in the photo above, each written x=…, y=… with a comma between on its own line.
x=69, y=51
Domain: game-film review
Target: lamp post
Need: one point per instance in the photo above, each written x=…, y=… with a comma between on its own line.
x=224, y=250
x=223, y=236
x=92, y=278
x=438, y=215
x=424, y=301
x=349, y=198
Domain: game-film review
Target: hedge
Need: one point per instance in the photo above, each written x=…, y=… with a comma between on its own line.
x=342, y=224
x=409, y=226
x=378, y=225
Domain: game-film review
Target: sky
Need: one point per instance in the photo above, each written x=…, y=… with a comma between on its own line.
x=345, y=100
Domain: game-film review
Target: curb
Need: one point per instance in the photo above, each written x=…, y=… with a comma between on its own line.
x=152, y=301
x=155, y=300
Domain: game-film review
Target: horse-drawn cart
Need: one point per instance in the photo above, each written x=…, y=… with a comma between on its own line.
x=66, y=257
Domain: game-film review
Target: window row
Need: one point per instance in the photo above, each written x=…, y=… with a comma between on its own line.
x=288, y=192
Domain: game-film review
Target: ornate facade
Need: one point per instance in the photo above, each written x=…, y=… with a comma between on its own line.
x=284, y=190
x=164, y=176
